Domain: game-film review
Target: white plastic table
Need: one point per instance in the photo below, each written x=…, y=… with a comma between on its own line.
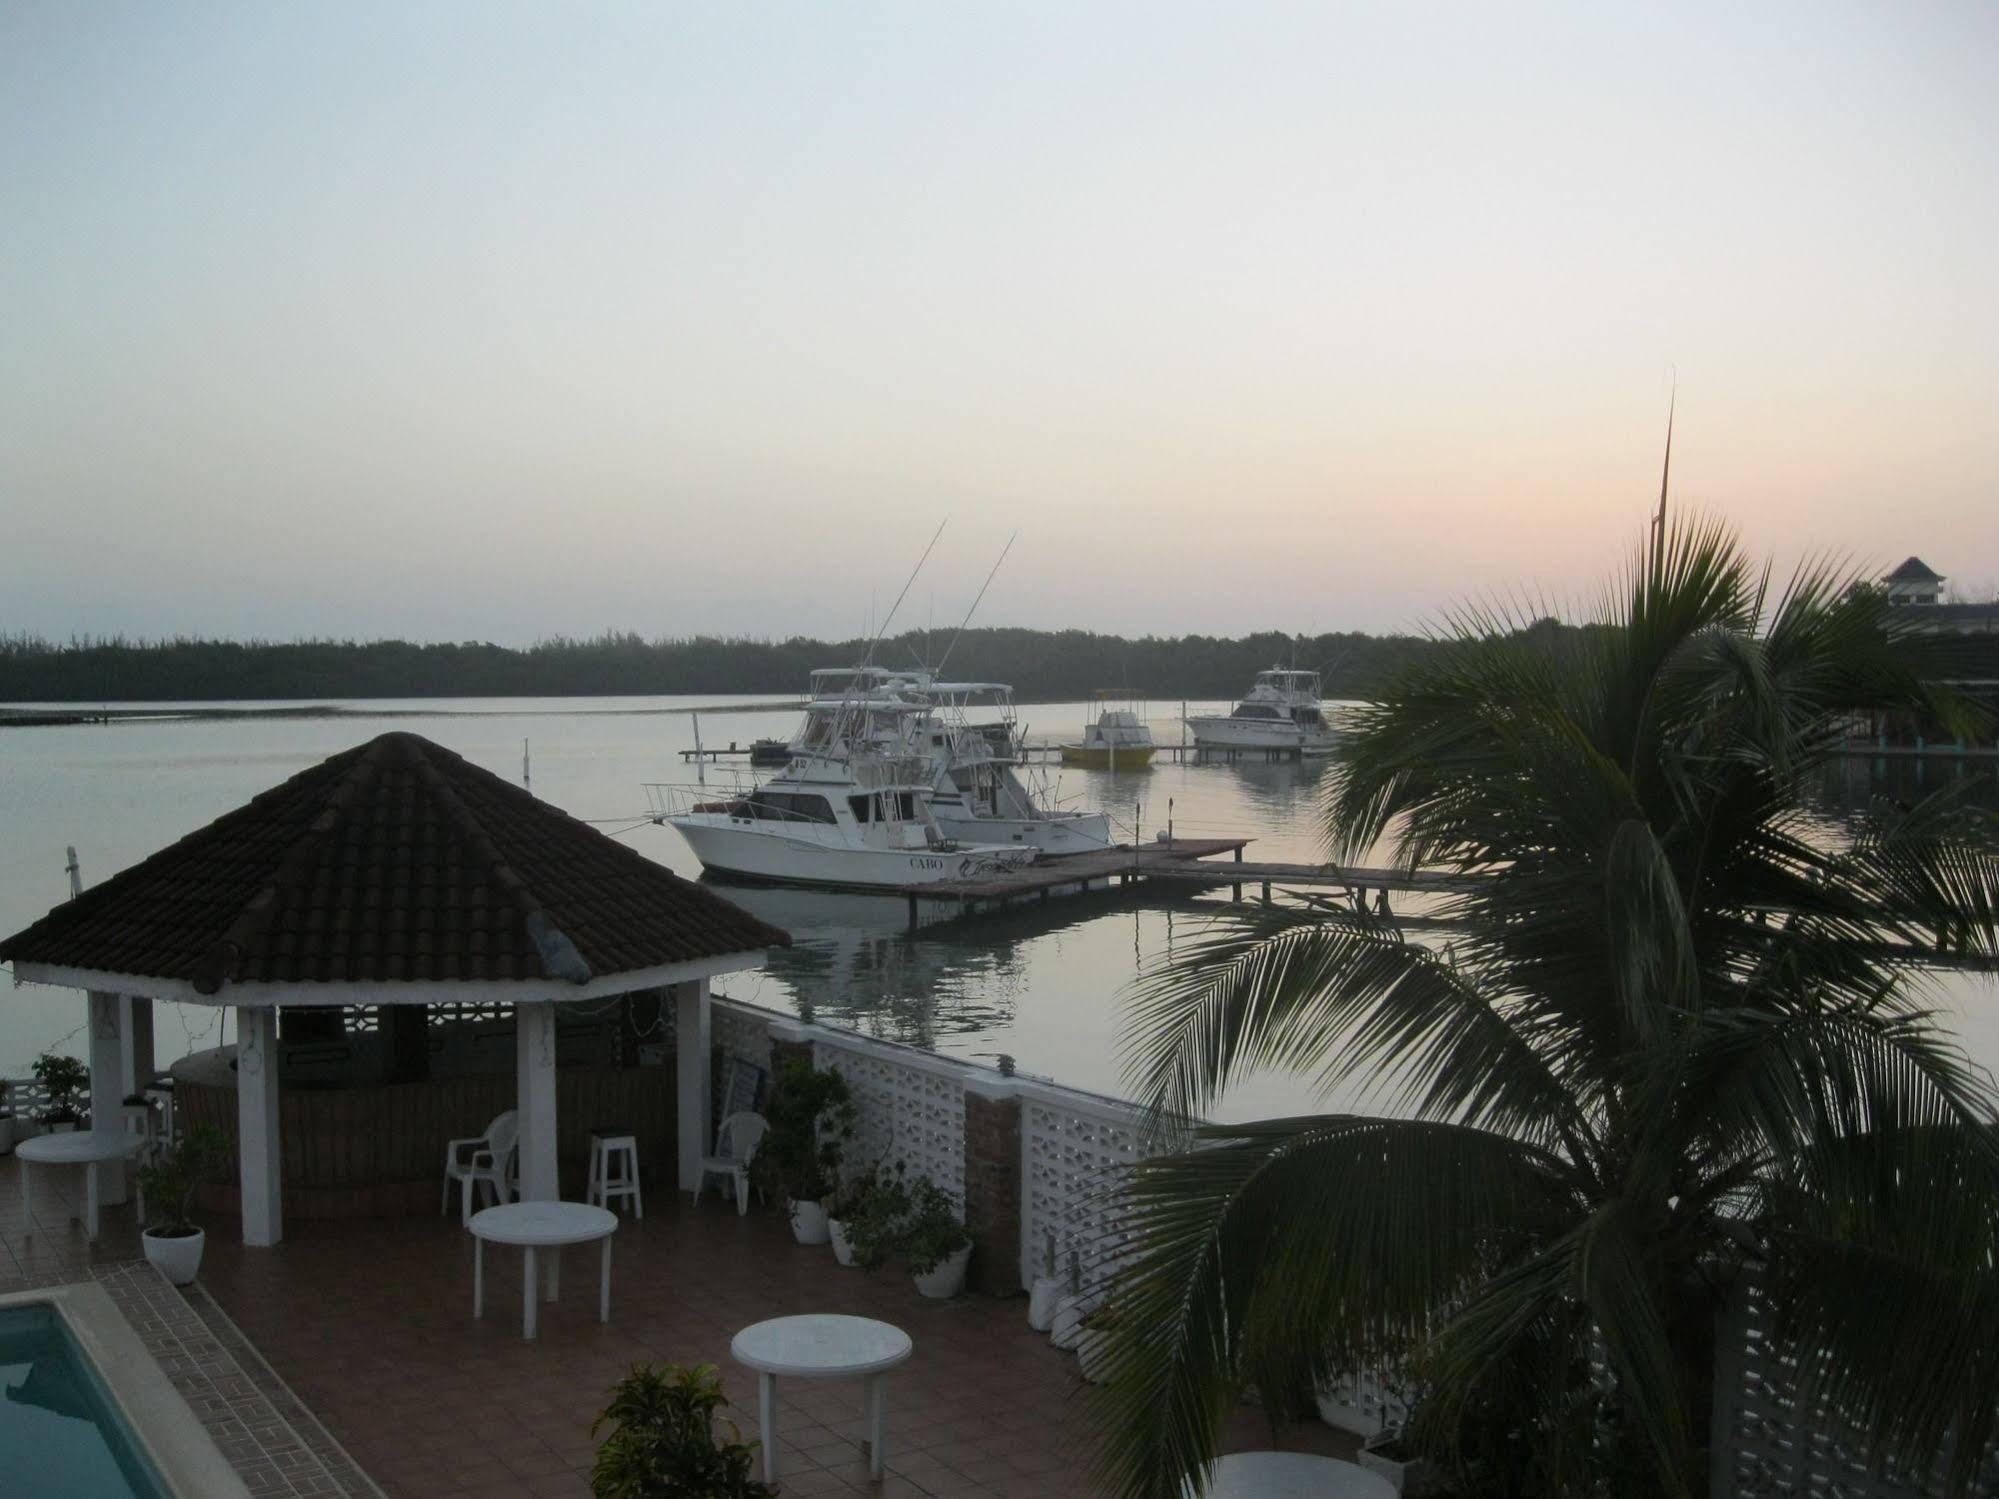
x=541, y=1225
x=88, y=1148
x=1293, y=1475
x=821, y=1346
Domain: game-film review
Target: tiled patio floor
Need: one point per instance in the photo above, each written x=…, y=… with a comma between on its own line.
x=370, y=1324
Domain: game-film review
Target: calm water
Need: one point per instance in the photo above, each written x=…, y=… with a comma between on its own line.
x=1042, y=984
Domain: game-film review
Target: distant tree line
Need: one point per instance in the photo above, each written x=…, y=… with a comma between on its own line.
x=1042, y=665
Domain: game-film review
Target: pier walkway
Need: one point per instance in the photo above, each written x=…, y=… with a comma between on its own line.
x=1181, y=862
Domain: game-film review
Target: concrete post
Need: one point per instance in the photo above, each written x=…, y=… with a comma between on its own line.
x=258, y=1149
x=139, y=1065
x=534, y=1041
x=692, y=1029
x=107, y=1086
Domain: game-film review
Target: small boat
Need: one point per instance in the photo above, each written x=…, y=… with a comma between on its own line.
x=1118, y=739
x=769, y=752
x=1280, y=713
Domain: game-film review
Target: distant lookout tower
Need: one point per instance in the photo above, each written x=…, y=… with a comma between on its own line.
x=1914, y=583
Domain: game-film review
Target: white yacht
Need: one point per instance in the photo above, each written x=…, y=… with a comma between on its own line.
x=1281, y=712
x=970, y=741
x=851, y=810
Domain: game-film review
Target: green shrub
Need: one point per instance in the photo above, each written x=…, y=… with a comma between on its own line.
x=663, y=1440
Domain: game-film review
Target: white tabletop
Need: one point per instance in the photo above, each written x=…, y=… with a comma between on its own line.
x=79, y=1147
x=543, y=1223
x=821, y=1343
x=1294, y=1475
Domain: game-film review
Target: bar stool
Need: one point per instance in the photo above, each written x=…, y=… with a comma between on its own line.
x=614, y=1167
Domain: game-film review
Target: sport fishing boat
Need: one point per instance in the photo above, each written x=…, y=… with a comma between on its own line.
x=868, y=830
x=976, y=790
x=850, y=811
x=1116, y=740
x=1281, y=712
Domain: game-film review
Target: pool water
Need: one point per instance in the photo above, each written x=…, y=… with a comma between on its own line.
x=59, y=1432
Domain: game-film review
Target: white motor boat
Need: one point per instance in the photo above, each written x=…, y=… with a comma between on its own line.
x=848, y=812
x=1281, y=712
x=970, y=741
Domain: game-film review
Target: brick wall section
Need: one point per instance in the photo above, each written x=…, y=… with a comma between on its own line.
x=992, y=1192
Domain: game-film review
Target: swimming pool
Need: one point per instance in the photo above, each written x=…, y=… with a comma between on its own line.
x=60, y=1433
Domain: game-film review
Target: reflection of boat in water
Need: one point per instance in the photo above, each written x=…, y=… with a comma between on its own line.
x=851, y=810
x=1116, y=740
x=1281, y=712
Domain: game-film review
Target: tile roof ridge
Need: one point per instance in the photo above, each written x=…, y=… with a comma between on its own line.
x=218, y=965
x=559, y=956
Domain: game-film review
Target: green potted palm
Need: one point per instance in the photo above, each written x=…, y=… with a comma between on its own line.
x=172, y=1240
x=663, y=1439
x=64, y=1079
x=811, y=1117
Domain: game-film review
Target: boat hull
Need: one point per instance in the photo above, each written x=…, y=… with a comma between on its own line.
x=725, y=846
x=1247, y=733
x=1093, y=757
x=1053, y=836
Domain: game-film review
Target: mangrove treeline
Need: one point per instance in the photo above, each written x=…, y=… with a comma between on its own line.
x=1042, y=665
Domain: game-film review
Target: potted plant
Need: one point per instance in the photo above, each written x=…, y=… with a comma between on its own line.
x=934, y=1241
x=64, y=1078
x=1047, y=1290
x=865, y=1202
x=875, y=1231
x=811, y=1117
x=172, y=1240
x=1389, y=1451
x=663, y=1439
x=1093, y=1343
x=1072, y=1306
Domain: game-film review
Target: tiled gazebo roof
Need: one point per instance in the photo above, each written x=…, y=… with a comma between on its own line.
x=397, y=861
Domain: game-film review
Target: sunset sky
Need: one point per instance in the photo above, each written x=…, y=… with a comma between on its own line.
x=496, y=321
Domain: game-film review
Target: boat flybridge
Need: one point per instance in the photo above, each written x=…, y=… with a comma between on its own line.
x=1281, y=711
x=976, y=788
x=851, y=810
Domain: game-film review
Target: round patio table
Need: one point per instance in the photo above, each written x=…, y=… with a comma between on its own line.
x=821, y=1346
x=534, y=1226
x=1293, y=1475
x=88, y=1148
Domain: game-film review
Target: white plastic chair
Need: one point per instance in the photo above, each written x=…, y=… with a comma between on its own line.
x=487, y=1160
x=736, y=1145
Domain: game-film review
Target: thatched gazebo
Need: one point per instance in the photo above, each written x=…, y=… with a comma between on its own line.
x=399, y=875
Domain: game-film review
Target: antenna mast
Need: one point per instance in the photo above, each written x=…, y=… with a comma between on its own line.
x=882, y=629
x=975, y=602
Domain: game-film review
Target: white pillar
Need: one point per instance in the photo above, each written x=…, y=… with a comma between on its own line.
x=107, y=1086
x=534, y=1039
x=690, y=1034
x=258, y=1148
x=138, y=1042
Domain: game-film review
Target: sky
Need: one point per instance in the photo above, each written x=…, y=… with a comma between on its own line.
x=493, y=321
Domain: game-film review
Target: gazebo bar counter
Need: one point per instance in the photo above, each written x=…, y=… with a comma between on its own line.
x=336, y=913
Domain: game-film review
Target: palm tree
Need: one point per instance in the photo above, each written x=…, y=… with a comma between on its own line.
x=1685, y=1031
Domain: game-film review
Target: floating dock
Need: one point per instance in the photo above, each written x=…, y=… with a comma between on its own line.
x=1183, y=861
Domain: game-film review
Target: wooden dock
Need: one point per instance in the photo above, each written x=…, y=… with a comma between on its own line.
x=1182, y=862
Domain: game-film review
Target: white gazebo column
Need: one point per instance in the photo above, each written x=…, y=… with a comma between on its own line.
x=690, y=1034
x=107, y=1086
x=257, y=1144
x=137, y=1019
x=534, y=1037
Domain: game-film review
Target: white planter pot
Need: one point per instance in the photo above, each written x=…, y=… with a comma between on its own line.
x=177, y=1259
x=1093, y=1346
x=1416, y=1479
x=808, y=1222
x=62, y=1127
x=947, y=1278
x=1069, y=1314
x=1041, y=1302
x=843, y=1247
